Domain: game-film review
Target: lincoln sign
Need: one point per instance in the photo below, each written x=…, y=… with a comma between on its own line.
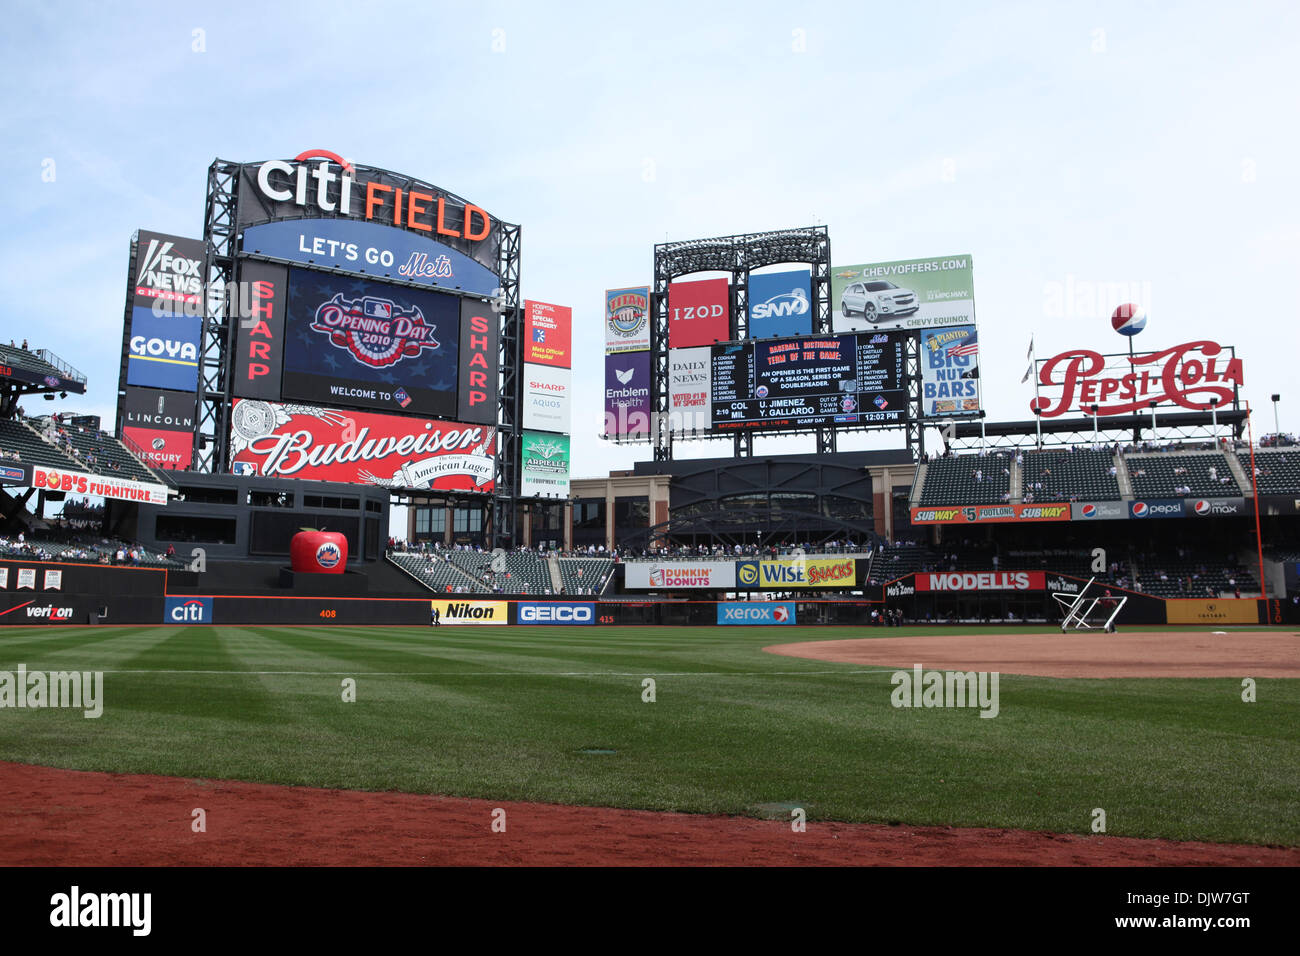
x=1195, y=375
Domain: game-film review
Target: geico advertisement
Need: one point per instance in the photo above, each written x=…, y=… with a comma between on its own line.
x=685, y=574
x=795, y=573
x=741, y=612
x=536, y=612
x=472, y=612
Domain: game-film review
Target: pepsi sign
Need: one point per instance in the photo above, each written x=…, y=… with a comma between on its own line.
x=535, y=612
x=1157, y=508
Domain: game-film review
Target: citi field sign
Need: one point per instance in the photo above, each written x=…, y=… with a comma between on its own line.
x=318, y=183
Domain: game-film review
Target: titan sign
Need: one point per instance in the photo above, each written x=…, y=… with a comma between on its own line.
x=372, y=250
x=698, y=313
x=627, y=319
x=318, y=184
x=531, y=612
x=808, y=573
x=627, y=393
x=1194, y=375
x=645, y=575
x=352, y=342
x=328, y=444
x=982, y=581
x=950, y=372
x=766, y=612
x=904, y=294
x=780, y=303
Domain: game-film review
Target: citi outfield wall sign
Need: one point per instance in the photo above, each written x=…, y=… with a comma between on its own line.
x=318, y=183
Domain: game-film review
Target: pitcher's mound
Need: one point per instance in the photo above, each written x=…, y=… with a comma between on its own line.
x=1142, y=654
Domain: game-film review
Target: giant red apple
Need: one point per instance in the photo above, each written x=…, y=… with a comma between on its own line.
x=318, y=552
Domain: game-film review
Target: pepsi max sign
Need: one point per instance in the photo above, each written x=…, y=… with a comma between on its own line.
x=1212, y=507
x=531, y=612
x=1157, y=508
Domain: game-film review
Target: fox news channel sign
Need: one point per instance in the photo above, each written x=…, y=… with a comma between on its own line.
x=780, y=303
x=903, y=294
x=764, y=612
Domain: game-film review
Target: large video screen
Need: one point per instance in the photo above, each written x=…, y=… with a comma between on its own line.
x=815, y=381
x=351, y=341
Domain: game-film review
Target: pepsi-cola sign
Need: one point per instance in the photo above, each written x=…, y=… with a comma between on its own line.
x=1156, y=508
x=1195, y=375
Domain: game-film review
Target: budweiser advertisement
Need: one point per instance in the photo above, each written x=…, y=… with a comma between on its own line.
x=646, y=575
x=981, y=581
x=1195, y=375
x=329, y=444
x=78, y=483
x=991, y=514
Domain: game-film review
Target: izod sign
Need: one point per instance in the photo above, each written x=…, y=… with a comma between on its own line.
x=1195, y=375
x=323, y=181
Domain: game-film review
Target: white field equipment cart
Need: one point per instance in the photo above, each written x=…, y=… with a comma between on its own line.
x=1087, y=612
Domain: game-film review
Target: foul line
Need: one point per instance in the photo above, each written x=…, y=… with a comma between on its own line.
x=644, y=673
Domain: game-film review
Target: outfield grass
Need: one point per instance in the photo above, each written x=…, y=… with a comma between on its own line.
x=505, y=713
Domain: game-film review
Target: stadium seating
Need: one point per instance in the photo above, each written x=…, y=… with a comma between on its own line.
x=526, y=571
x=595, y=572
x=1194, y=578
x=19, y=442
x=1279, y=471
x=1083, y=474
x=967, y=479
x=1159, y=475
x=437, y=574
x=102, y=453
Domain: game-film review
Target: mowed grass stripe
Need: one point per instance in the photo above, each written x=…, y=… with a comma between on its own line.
x=507, y=712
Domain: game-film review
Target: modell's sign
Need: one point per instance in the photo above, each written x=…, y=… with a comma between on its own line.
x=982, y=581
x=1195, y=375
x=319, y=183
x=326, y=444
x=51, y=479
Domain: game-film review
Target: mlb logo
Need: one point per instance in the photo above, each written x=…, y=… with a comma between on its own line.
x=377, y=308
x=880, y=402
x=245, y=468
x=402, y=397
x=539, y=335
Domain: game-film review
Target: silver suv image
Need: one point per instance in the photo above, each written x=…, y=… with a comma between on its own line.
x=877, y=299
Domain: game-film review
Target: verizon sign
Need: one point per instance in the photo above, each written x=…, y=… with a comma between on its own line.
x=1195, y=375
x=326, y=444
x=651, y=575
x=982, y=581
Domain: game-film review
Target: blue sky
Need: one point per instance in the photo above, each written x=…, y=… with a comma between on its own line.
x=1150, y=144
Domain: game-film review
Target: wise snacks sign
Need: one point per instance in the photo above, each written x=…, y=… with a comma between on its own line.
x=50, y=479
x=795, y=573
x=1195, y=375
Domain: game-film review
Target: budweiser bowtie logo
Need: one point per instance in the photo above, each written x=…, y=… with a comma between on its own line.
x=377, y=331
